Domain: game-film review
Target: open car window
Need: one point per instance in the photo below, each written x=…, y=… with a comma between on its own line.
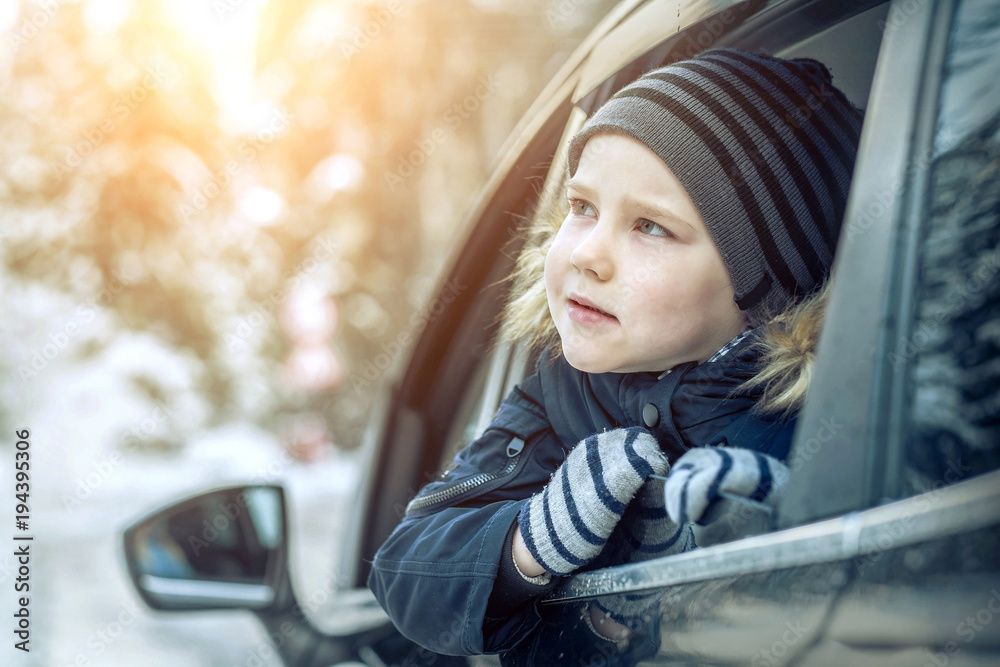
x=847, y=42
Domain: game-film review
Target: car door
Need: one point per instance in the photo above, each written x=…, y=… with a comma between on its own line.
x=886, y=545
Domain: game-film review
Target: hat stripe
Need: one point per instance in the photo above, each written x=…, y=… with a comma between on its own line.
x=847, y=125
x=803, y=246
x=807, y=190
x=745, y=196
x=764, y=147
x=823, y=166
x=833, y=113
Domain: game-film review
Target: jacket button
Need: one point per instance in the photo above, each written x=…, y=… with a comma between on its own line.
x=650, y=415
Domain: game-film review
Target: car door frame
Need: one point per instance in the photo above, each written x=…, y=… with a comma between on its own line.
x=836, y=508
x=841, y=447
x=861, y=291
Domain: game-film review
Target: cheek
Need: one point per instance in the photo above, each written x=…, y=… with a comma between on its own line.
x=685, y=289
x=717, y=294
x=551, y=273
x=557, y=259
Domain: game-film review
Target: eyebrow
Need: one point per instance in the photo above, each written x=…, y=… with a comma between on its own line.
x=644, y=208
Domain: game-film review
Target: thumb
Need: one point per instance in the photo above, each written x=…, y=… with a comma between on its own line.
x=686, y=489
x=647, y=447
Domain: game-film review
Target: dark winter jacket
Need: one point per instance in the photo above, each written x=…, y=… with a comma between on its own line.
x=435, y=573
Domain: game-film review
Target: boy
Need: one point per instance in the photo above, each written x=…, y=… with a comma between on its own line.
x=704, y=200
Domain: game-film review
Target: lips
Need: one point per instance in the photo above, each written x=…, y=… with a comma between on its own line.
x=588, y=306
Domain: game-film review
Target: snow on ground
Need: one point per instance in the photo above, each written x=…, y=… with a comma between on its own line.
x=89, y=481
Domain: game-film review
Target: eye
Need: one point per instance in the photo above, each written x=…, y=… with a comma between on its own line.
x=581, y=207
x=651, y=228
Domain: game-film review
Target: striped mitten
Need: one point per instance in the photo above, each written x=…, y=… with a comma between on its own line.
x=567, y=524
x=647, y=531
x=702, y=473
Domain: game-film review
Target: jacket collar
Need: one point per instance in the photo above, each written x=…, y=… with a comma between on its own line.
x=683, y=407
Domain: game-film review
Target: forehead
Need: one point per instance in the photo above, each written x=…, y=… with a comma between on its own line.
x=617, y=166
x=611, y=154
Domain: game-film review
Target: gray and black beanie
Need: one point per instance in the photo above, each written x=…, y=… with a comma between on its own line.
x=764, y=147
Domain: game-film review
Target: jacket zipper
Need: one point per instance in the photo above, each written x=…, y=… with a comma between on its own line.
x=514, y=448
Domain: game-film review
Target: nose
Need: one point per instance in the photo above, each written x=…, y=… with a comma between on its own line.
x=594, y=253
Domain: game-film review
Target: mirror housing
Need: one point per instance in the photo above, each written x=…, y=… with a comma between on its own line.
x=225, y=549
x=228, y=549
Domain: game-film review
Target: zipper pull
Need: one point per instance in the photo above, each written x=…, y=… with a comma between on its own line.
x=514, y=447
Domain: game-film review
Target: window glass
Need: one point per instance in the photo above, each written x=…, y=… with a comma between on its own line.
x=953, y=349
x=463, y=427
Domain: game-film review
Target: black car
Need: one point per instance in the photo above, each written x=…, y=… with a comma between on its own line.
x=885, y=548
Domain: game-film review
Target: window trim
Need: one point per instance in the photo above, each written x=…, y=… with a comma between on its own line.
x=961, y=508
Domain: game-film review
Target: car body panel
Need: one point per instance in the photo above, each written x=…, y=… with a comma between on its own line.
x=876, y=585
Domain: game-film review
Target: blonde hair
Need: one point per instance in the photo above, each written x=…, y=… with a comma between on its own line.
x=526, y=317
x=787, y=346
x=788, y=355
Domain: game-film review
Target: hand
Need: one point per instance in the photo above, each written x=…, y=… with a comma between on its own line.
x=701, y=474
x=567, y=524
x=523, y=559
x=646, y=531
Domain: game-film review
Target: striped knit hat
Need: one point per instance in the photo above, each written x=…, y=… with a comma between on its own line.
x=765, y=149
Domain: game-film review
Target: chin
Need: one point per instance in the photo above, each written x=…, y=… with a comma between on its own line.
x=586, y=363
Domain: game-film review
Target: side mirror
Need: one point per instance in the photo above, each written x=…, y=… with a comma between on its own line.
x=226, y=549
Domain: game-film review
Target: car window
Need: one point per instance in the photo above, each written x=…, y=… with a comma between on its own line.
x=847, y=38
x=951, y=354
x=508, y=363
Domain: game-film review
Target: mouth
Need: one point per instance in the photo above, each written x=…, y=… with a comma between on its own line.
x=587, y=308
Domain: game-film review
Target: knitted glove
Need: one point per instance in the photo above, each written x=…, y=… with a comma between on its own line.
x=567, y=524
x=646, y=531
x=701, y=474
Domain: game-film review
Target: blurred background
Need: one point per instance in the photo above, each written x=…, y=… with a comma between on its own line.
x=213, y=214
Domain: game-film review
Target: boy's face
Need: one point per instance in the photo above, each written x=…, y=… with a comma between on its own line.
x=634, y=248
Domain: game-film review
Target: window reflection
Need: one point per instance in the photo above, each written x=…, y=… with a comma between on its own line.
x=228, y=536
x=955, y=339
